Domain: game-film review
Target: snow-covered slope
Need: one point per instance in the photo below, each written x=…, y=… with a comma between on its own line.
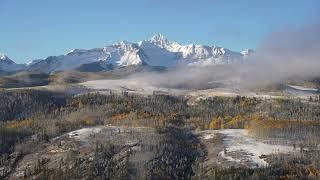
x=158, y=51
x=158, y=56
x=7, y=65
x=121, y=54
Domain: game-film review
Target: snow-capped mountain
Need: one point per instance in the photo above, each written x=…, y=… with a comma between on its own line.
x=7, y=65
x=120, y=54
x=158, y=51
x=198, y=54
x=192, y=51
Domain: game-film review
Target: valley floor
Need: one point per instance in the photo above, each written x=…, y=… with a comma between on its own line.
x=138, y=86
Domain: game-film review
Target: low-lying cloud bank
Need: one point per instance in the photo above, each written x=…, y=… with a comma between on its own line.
x=290, y=52
x=287, y=53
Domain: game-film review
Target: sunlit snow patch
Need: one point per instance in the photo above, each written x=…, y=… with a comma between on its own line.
x=207, y=134
x=236, y=140
x=243, y=149
x=84, y=134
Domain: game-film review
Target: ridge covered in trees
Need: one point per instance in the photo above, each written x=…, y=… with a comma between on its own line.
x=26, y=114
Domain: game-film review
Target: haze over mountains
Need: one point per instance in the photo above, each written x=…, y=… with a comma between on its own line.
x=158, y=51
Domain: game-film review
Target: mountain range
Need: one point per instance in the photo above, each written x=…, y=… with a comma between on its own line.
x=158, y=51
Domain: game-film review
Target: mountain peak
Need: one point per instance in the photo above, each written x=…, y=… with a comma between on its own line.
x=160, y=40
x=5, y=58
x=158, y=36
x=7, y=65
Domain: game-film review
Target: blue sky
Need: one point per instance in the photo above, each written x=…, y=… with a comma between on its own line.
x=32, y=29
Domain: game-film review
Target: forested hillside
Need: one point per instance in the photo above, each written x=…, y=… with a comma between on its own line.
x=30, y=118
